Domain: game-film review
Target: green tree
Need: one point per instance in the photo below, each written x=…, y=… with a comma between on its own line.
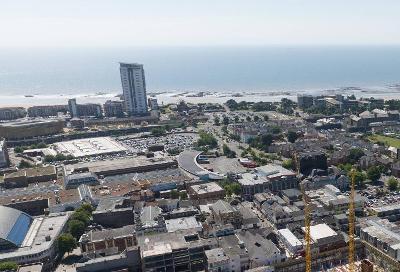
x=288, y=164
x=158, y=131
x=207, y=139
x=292, y=136
x=393, y=184
x=276, y=130
x=224, y=130
x=248, y=118
x=225, y=120
x=236, y=189
x=232, y=104
x=266, y=118
x=374, y=174
x=41, y=145
x=236, y=119
x=81, y=216
x=234, y=137
x=228, y=152
x=346, y=167
x=85, y=207
x=217, y=121
x=359, y=178
x=183, y=195
x=256, y=118
x=266, y=140
x=174, y=194
x=24, y=164
x=76, y=228
x=19, y=149
x=354, y=155
x=174, y=151
x=263, y=106
x=66, y=243
x=287, y=106
x=8, y=266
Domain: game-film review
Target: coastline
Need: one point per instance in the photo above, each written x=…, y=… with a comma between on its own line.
x=166, y=97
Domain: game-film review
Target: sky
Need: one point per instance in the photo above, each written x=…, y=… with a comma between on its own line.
x=121, y=23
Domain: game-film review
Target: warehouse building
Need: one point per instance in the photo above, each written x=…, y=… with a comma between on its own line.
x=23, y=177
x=27, y=129
x=121, y=166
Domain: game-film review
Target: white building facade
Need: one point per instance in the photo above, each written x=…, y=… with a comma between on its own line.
x=134, y=88
x=4, y=159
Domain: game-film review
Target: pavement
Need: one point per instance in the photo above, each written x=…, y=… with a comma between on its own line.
x=187, y=161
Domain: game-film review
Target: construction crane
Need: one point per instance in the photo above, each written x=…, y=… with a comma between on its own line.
x=351, y=224
x=307, y=220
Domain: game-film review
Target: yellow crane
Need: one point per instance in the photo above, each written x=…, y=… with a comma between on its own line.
x=307, y=236
x=307, y=220
x=351, y=224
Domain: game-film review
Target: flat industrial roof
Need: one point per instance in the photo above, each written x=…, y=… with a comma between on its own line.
x=290, y=237
x=321, y=231
x=274, y=170
x=90, y=147
x=117, y=164
x=182, y=224
x=206, y=188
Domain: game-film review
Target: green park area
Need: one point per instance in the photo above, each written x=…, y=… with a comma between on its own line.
x=386, y=140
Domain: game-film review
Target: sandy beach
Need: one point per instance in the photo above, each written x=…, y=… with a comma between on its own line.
x=167, y=97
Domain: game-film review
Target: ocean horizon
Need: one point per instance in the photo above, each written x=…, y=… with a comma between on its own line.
x=91, y=72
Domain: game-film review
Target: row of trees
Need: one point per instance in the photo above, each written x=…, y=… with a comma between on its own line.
x=226, y=121
x=261, y=142
x=77, y=224
x=57, y=158
x=228, y=152
x=254, y=106
x=8, y=266
x=158, y=131
x=373, y=173
x=20, y=149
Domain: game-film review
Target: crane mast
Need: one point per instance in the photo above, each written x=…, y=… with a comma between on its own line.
x=351, y=224
x=307, y=220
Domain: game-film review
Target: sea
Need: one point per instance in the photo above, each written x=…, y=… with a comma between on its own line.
x=42, y=76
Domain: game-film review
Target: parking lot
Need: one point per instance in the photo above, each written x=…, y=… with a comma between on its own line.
x=374, y=199
x=171, y=141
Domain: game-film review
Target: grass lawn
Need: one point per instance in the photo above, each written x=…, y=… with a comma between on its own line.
x=388, y=141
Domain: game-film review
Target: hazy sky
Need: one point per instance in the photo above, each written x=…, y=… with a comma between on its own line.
x=25, y=23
